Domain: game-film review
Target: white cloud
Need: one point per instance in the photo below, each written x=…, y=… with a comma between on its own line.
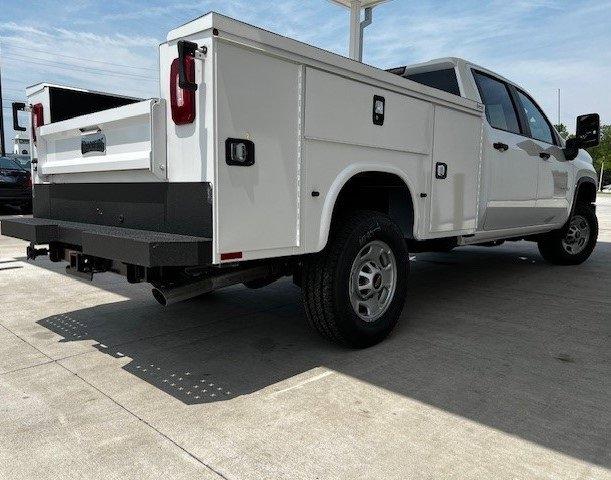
x=116, y=40
x=115, y=62
x=23, y=29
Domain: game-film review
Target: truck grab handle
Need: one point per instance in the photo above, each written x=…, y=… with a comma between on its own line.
x=185, y=48
x=17, y=106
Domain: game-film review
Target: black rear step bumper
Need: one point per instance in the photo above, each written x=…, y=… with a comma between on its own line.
x=131, y=246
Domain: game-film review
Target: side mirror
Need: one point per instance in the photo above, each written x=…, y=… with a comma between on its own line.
x=587, y=134
x=588, y=130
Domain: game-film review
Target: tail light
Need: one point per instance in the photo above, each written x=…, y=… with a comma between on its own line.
x=37, y=119
x=182, y=100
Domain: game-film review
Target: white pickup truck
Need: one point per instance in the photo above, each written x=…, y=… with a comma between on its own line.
x=265, y=157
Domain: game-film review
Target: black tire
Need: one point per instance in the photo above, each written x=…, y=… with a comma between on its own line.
x=326, y=281
x=553, y=247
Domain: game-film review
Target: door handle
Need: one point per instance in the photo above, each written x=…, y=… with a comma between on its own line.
x=501, y=146
x=544, y=155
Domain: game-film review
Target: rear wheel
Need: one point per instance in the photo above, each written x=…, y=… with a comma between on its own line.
x=354, y=290
x=574, y=243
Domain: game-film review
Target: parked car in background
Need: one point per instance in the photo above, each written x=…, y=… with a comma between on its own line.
x=24, y=160
x=15, y=183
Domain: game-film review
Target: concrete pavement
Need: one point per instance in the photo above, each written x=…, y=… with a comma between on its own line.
x=500, y=368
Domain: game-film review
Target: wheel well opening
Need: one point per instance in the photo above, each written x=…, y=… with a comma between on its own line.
x=380, y=191
x=586, y=193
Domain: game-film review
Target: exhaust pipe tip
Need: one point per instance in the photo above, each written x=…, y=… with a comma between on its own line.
x=160, y=297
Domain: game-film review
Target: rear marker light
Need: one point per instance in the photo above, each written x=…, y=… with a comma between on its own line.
x=231, y=256
x=37, y=119
x=182, y=101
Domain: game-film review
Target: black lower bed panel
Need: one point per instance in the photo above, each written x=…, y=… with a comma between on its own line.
x=137, y=247
x=171, y=207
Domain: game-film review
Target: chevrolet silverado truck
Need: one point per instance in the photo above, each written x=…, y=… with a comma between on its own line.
x=265, y=157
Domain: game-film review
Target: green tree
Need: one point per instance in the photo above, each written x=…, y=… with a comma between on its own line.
x=561, y=129
x=602, y=154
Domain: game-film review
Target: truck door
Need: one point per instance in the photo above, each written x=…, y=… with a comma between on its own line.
x=555, y=173
x=510, y=170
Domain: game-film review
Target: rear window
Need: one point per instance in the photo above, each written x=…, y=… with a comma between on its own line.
x=500, y=111
x=441, y=79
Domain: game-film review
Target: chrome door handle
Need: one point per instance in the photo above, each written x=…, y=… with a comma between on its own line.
x=501, y=146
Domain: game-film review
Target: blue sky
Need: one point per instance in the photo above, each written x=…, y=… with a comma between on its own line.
x=112, y=46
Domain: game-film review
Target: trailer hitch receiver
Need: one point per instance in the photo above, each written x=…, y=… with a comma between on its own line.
x=32, y=252
x=84, y=266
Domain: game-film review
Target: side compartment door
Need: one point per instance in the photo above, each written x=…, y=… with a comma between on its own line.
x=510, y=170
x=455, y=174
x=554, y=190
x=258, y=107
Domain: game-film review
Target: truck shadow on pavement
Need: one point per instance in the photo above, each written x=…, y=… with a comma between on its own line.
x=493, y=335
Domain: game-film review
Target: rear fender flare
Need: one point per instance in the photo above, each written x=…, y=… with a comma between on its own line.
x=342, y=178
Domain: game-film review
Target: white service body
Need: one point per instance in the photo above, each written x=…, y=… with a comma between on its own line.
x=309, y=114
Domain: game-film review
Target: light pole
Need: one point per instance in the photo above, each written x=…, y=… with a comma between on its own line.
x=356, y=25
x=559, y=107
x=2, y=147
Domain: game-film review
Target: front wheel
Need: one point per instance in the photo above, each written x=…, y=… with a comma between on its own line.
x=574, y=243
x=354, y=290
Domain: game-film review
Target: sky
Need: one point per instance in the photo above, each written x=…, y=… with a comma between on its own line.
x=543, y=45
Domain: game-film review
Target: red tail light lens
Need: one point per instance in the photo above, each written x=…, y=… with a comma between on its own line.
x=182, y=101
x=38, y=119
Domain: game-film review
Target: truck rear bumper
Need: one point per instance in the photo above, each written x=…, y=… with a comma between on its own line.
x=131, y=246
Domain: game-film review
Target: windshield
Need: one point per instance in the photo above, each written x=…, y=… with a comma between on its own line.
x=9, y=164
x=22, y=160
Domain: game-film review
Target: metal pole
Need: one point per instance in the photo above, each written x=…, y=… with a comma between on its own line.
x=558, y=106
x=600, y=182
x=356, y=38
x=365, y=23
x=2, y=147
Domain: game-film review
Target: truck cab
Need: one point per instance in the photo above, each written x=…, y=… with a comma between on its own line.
x=528, y=183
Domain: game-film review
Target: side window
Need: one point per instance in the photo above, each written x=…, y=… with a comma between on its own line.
x=444, y=79
x=540, y=128
x=500, y=110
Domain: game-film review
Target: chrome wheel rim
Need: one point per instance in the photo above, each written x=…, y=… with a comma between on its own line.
x=577, y=235
x=373, y=280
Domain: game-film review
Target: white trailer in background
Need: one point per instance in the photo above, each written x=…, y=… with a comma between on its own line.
x=266, y=157
x=21, y=145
